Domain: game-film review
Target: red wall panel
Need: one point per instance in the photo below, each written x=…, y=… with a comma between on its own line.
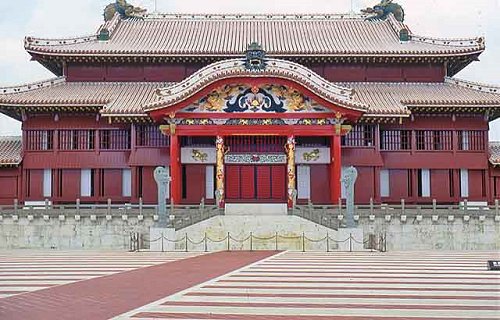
x=195, y=183
x=440, y=184
x=79, y=72
x=149, y=188
x=71, y=185
x=264, y=182
x=279, y=182
x=125, y=73
x=320, y=184
x=35, y=187
x=232, y=182
x=345, y=73
x=248, y=182
x=398, y=184
x=112, y=183
x=364, y=187
x=8, y=188
x=476, y=185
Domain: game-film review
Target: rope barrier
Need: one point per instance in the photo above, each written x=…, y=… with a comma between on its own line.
x=137, y=239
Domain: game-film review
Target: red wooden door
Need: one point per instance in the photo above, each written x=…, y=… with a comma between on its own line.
x=255, y=183
x=232, y=182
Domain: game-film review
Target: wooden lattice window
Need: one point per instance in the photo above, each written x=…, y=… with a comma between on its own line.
x=39, y=140
x=360, y=136
x=395, y=140
x=114, y=139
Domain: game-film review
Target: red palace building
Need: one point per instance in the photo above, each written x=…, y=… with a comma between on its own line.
x=251, y=109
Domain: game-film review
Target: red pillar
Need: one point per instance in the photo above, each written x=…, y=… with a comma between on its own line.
x=175, y=170
x=335, y=168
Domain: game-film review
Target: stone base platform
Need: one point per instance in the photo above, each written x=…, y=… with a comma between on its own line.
x=256, y=209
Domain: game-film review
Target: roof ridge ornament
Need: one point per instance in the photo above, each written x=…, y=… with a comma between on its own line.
x=255, y=57
x=382, y=10
x=125, y=10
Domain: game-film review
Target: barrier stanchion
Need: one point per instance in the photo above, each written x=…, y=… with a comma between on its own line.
x=350, y=242
x=327, y=242
x=206, y=244
x=186, y=249
x=276, y=246
x=251, y=241
x=303, y=242
x=162, y=250
x=228, y=242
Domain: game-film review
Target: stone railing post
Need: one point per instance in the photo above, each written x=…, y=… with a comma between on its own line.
x=465, y=205
x=434, y=206
x=403, y=207
x=496, y=207
x=46, y=205
x=140, y=206
x=16, y=206
x=109, y=207
x=77, y=206
x=371, y=206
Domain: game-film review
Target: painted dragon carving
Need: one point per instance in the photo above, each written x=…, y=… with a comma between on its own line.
x=125, y=10
x=311, y=156
x=382, y=10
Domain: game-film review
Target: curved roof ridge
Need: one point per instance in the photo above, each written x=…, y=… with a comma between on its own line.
x=452, y=42
x=250, y=16
x=478, y=86
x=32, y=86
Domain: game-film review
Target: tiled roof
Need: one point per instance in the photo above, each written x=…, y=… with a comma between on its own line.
x=495, y=153
x=130, y=99
x=229, y=35
x=10, y=151
x=387, y=98
x=116, y=98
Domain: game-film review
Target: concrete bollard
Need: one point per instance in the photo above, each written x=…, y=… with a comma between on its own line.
x=482, y=218
x=140, y=217
x=388, y=217
x=466, y=218
x=31, y=217
x=451, y=218
x=93, y=217
x=372, y=217
x=78, y=217
x=124, y=217
x=420, y=218
x=109, y=217
x=403, y=218
x=46, y=217
x=340, y=217
x=435, y=218
x=15, y=217
x=62, y=217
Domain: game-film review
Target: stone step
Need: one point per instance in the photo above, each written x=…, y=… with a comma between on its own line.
x=256, y=209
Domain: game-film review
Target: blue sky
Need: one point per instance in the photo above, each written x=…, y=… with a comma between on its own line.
x=63, y=18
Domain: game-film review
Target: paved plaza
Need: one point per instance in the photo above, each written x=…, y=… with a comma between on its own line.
x=248, y=285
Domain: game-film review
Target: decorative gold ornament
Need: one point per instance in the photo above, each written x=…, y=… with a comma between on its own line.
x=311, y=156
x=199, y=156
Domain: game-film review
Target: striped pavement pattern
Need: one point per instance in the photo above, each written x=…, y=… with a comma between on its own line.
x=291, y=285
x=25, y=271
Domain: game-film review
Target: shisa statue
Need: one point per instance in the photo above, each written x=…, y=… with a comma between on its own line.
x=382, y=10
x=125, y=10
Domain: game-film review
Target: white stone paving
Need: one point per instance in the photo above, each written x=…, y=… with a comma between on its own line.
x=419, y=285
x=25, y=270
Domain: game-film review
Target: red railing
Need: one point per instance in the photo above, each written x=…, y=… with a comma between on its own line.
x=39, y=140
x=76, y=139
x=242, y=144
x=360, y=136
x=151, y=136
x=434, y=140
x=471, y=140
x=114, y=139
x=395, y=140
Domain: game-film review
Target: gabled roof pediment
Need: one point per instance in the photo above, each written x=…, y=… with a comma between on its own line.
x=235, y=71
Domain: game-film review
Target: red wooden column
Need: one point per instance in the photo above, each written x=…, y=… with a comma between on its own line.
x=175, y=170
x=335, y=167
